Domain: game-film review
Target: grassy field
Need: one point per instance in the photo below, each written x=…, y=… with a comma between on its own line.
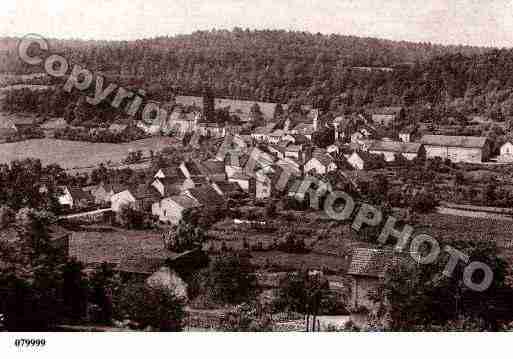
x=111, y=245
x=75, y=154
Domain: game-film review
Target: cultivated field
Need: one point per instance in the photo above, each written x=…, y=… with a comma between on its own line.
x=93, y=245
x=75, y=154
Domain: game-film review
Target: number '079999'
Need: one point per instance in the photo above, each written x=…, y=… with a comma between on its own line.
x=29, y=342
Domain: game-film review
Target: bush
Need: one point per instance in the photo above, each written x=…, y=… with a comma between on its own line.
x=305, y=293
x=232, y=279
x=149, y=307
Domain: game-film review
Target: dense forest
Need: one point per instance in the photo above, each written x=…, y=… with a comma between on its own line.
x=332, y=72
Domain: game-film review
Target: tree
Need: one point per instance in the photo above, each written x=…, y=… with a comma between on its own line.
x=305, y=293
x=157, y=308
x=187, y=237
x=431, y=299
x=232, y=279
x=324, y=137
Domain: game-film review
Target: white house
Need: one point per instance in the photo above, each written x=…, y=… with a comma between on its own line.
x=125, y=198
x=170, y=209
x=356, y=161
x=65, y=199
x=320, y=163
x=507, y=149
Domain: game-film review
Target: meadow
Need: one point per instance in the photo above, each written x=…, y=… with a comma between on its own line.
x=76, y=154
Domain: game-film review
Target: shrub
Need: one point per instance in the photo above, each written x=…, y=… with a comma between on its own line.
x=232, y=279
x=149, y=307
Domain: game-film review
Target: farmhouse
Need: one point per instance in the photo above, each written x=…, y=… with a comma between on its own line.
x=391, y=149
x=457, y=148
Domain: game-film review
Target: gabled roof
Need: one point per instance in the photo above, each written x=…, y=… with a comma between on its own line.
x=323, y=158
x=454, y=141
x=140, y=265
x=172, y=172
x=228, y=187
x=193, y=168
x=171, y=187
x=115, y=187
x=240, y=176
x=371, y=262
x=78, y=194
x=183, y=201
x=213, y=167
x=143, y=191
x=395, y=146
x=206, y=195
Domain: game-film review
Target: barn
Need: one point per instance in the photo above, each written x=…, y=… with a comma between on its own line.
x=392, y=149
x=457, y=148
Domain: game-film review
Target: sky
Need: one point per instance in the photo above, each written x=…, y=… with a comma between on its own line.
x=468, y=22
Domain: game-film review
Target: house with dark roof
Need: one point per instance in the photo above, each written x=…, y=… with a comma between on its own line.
x=367, y=269
x=227, y=189
x=205, y=196
x=392, y=149
x=190, y=169
x=167, y=187
x=213, y=170
x=457, y=148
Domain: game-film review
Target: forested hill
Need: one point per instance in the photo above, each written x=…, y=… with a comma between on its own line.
x=327, y=70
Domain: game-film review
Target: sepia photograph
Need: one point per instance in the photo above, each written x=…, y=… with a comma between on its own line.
x=301, y=169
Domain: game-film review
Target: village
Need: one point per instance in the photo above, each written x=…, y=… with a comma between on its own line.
x=133, y=217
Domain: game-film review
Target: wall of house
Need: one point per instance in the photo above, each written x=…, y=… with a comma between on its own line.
x=456, y=154
x=383, y=119
x=507, y=149
x=410, y=156
x=389, y=156
x=360, y=290
x=316, y=166
x=356, y=162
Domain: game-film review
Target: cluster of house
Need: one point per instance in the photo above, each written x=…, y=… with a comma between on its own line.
x=286, y=144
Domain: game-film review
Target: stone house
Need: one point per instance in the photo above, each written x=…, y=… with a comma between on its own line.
x=457, y=148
